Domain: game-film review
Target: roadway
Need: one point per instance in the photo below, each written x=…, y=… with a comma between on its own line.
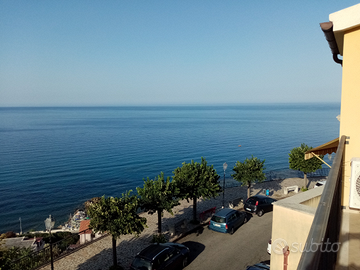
x=211, y=250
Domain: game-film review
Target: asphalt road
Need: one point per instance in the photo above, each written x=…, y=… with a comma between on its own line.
x=211, y=250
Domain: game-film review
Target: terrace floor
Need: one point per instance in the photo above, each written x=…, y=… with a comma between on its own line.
x=349, y=253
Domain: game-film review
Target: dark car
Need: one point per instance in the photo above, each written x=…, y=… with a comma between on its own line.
x=259, y=204
x=161, y=256
x=227, y=220
x=259, y=266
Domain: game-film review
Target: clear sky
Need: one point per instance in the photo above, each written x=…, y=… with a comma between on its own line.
x=100, y=53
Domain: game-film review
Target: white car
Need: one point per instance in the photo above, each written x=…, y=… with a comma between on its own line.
x=320, y=183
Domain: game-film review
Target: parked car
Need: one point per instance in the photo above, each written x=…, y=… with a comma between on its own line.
x=161, y=257
x=320, y=183
x=227, y=220
x=269, y=247
x=259, y=204
x=259, y=266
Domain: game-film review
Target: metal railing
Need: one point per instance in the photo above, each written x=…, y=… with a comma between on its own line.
x=43, y=256
x=318, y=250
x=60, y=249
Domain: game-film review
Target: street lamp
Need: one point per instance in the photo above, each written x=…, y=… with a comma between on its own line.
x=20, y=225
x=49, y=224
x=223, y=203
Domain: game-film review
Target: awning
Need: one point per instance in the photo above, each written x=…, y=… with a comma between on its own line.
x=326, y=148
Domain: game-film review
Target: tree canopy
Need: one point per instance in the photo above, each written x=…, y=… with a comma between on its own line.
x=249, y=171
x=297, y=161
x=158, y=195
x=195, y=180
x=8, y=255
x=116, y=216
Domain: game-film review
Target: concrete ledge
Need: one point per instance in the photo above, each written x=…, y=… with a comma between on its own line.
x=305, y=202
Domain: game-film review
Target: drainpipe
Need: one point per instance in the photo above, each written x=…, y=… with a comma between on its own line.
x=286, y=253
x=327, y=28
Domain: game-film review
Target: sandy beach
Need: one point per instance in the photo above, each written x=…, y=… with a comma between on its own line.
x=98, y=255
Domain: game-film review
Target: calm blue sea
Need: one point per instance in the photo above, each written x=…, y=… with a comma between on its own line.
x=54, y=159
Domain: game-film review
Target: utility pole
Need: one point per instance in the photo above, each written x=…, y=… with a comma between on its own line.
x=20, y=225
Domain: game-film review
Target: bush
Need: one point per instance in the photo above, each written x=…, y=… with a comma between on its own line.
x=10, y=234
x=158, y=238
x=304, y=189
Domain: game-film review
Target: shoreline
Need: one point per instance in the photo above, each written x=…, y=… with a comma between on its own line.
x=62, y=220
x=184, y=210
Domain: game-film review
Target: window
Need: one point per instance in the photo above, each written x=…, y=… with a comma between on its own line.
x=140, y=262
x=168, y=257
x=269, y=200
x=161, y=259
x=251, y=201
x=218, y=219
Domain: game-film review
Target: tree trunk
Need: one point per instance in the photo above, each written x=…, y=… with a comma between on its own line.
x=305, y=180
x=159, y=220
x=248, y=190
x=194, y=209
x=114, y=251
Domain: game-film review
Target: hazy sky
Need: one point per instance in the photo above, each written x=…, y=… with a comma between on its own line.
x=79, y=53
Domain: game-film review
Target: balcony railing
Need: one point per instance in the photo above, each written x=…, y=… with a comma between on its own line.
x=319, y=251
x=60, y=249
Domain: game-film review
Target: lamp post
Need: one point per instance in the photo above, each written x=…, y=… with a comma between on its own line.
x=20, y=225
x=49, y=224
x=223, y=203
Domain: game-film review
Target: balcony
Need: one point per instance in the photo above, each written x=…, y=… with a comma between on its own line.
x=333, y=239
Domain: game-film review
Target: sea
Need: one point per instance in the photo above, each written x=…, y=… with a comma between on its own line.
x=53, y=159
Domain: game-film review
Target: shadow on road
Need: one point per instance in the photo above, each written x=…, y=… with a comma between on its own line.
x=195, y=249
x=248, y=216
x=199, y=231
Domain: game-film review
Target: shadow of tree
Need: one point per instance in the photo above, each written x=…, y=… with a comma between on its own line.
x=180, y=213
x=125, y=250
x=312, y=181
x=273, y=187
x=100, y=261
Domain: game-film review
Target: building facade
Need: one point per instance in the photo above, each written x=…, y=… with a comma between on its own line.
x=328, y=238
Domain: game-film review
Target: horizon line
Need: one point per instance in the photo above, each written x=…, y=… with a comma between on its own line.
x=168, y=105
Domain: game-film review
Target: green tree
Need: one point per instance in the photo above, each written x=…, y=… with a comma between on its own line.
x=8, y=255
x=249, y=171
x=195, y=180
x=158, y=195
x=116, y=216
x=297, y=161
